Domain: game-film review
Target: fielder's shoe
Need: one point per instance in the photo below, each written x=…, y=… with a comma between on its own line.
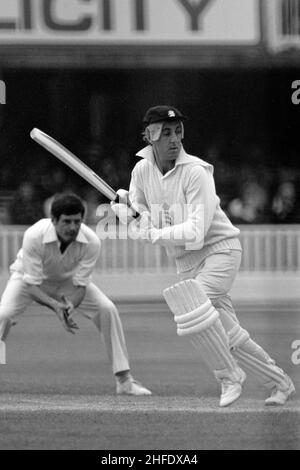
x=281, y=393
x=132, y=387
x=231, y=391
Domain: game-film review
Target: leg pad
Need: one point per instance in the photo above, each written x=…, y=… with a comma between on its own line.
x=193, y=310
x=196, y=318
x=253, y=358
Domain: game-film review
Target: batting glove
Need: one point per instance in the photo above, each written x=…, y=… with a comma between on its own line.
x=122, y=210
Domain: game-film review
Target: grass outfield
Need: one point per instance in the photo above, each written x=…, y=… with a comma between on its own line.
x=57, y=391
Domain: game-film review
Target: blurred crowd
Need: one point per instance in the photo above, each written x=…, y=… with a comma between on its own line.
x=259, y=204
x=250, y=194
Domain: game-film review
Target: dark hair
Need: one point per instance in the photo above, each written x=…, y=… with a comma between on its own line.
x=67, y=204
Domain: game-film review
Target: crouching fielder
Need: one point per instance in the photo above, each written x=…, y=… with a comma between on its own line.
x=54, y=268
x=197, y=233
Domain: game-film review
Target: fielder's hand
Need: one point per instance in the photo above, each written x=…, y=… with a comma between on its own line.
x=69, y=311
x=62, y=312
x=69, y=307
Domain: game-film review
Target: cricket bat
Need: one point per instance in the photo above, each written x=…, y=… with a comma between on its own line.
x=67, y=157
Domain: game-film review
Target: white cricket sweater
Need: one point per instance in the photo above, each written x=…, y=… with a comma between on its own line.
x=199, y=230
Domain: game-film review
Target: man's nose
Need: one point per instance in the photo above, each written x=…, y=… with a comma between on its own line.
x=173, y=137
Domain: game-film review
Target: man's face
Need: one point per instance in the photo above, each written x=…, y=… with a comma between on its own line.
x=168, y=145
x=67, y=227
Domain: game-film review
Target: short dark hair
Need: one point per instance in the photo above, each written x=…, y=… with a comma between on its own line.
x=67, y=204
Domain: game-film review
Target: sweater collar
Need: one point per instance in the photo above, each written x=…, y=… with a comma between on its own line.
x=182, y=159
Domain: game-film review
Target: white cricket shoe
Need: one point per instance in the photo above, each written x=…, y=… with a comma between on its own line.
x=281, y=393
x=132, y=387
x=231, y=391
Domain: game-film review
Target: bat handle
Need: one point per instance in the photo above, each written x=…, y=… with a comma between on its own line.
x=136, y=214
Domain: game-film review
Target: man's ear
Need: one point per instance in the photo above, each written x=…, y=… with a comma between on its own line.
x=54, y=220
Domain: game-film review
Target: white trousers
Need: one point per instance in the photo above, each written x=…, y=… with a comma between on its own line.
x=216, y=275
x=95, y=306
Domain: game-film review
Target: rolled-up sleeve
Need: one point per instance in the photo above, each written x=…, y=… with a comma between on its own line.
x=32, y=260
x=83, y=274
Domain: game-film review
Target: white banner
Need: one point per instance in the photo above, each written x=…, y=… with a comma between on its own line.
x=129, y=21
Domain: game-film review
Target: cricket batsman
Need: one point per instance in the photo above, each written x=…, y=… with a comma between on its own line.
x=207, y=251
x=54, y=268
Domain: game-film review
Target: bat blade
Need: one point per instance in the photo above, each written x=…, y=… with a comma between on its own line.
x=67, y=157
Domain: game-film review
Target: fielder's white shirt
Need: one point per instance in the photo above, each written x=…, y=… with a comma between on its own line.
x=40, y=257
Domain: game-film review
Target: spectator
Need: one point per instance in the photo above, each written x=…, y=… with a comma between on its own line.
x=251, y=207
x=225, y=175
x=285, y=205
x=53, y=180
x=26, y=206
x=91, y=201
x=109, y=172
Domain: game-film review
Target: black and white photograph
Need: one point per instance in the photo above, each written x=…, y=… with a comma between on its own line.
x=149, y=227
